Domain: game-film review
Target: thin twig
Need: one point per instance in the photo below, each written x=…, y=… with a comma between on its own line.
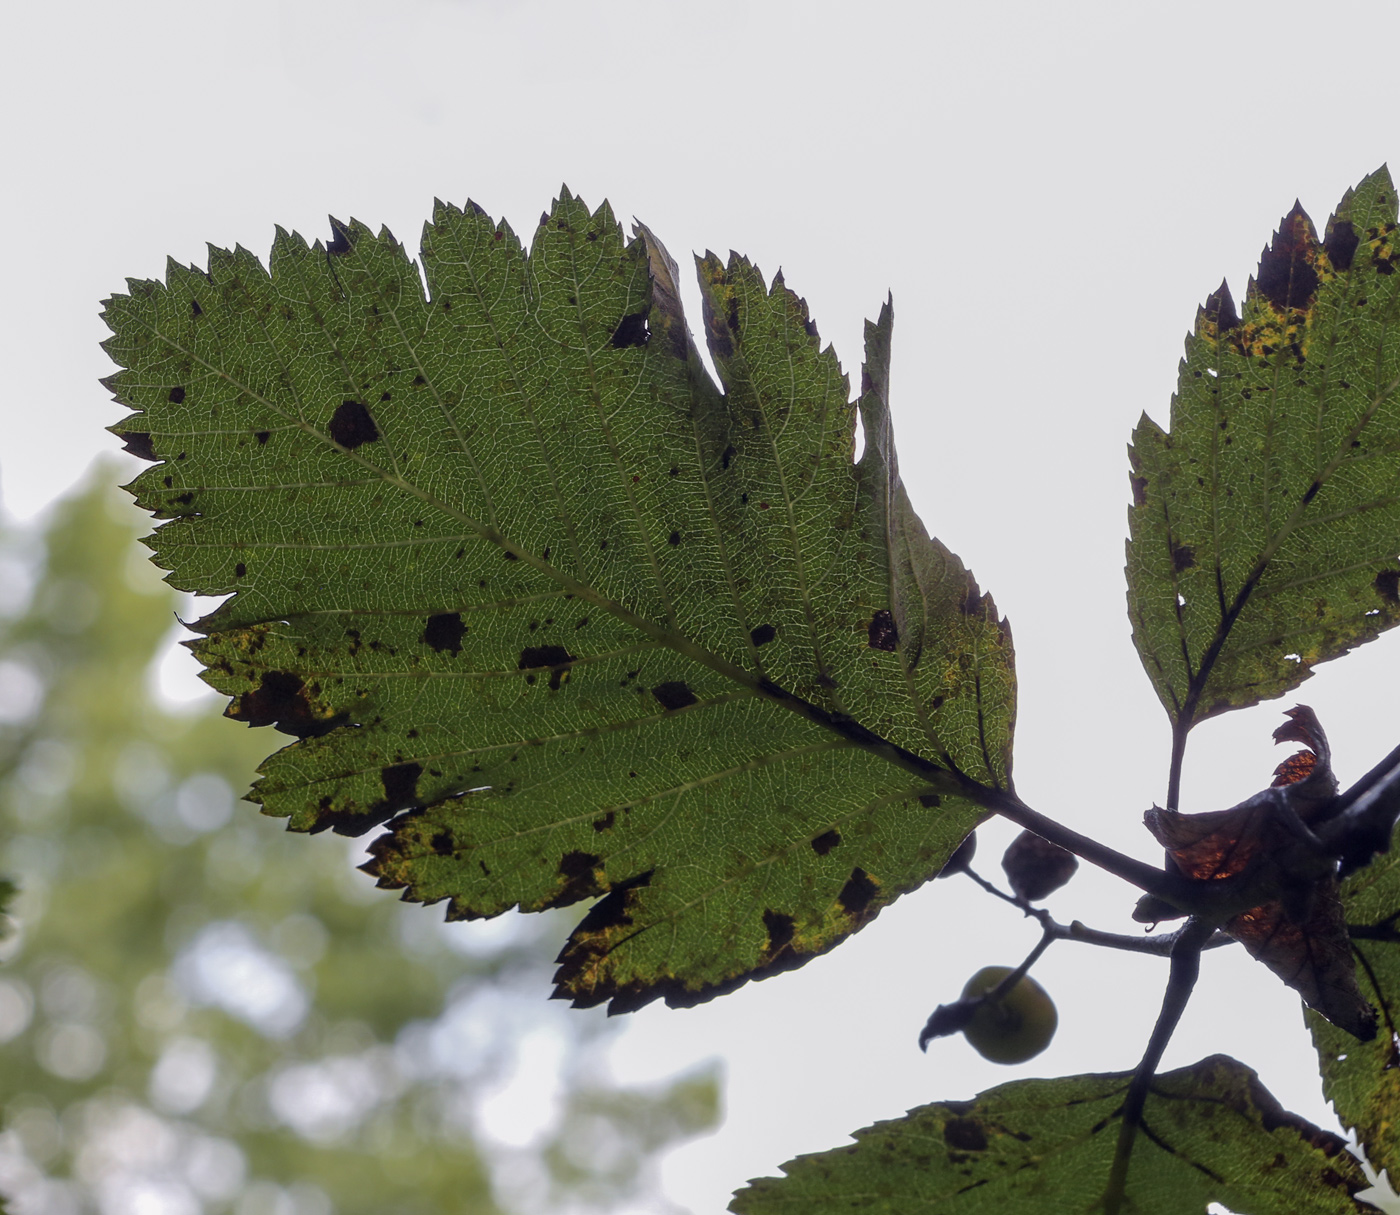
x=1159, y=944
x=1186, y=967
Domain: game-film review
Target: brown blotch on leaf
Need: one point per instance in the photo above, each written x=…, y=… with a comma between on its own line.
x=1341, y=244
x=858, y=893
x=351, y=425
x=556, y=657
x=727, y=457
x=674, y=694
x=1139, y=485
x=262, y=436
x=631, y=331
x=176, y=395
x=442, y=843
x=881, y=631
x=1286, y=274
x=400, y=783
x=1220, y=308
x=763, y=634
x=1387, y=585
x=1183, y=557
x=605, y=823
x=825, y=842
x=138, y=443
x=239, y=570
x=280, y=701
x=445, y=631
x=781, y=929
x=340, y=239
x=964, y=1135
x=580, y=881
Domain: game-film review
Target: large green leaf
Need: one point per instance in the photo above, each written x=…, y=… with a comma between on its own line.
x=533, y=591
x=1211, y=1133
x=1362, y=1079
x=1266, y=522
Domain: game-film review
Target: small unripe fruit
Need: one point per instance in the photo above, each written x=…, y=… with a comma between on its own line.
x=1015, y=1028
x=1036, y=867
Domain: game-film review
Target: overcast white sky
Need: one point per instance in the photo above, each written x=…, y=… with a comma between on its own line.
x=1049, y=190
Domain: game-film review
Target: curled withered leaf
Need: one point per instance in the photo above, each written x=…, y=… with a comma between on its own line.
x=1301, y=935
x=1036, y=868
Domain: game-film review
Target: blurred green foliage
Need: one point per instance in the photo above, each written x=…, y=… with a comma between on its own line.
x=200, y=1012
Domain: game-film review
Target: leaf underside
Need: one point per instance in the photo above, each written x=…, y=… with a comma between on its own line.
x=1211, y=1133
x=1265, y=524
x=536, y=594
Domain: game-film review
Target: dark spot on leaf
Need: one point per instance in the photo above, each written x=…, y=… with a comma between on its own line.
x=1286, y=278
x=611, y=910
x=606, y=822
x=763, y=634
x=964, y=1134
x=195, y=309
x=352, y=425
x=281, y=701
x=1387, y=585
x=582, y=622
x=576, y=868
x=262, y=437
x=1341, y=244
x=185, y=499
x=631, y=331
x=1311, y=492
x=401, y=784
x=825, y=842
x=857, y=894
x=419, y=382
x=445, y=632
x=1183, y=557
x=442, y=843
x=781, y=929
x=733, y=314
x=509, y=556
x=674, y=694
x=727, y=457
x=177, y=395
x=556, y=657
x=883, y=635
x=1220, y=308
x=138, y=443
x=930, y=800
x=673, y=539
x=239, y=570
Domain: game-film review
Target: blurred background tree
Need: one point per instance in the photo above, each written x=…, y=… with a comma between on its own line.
x=200, y=1012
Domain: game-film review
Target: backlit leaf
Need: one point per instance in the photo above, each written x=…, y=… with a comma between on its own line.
x=1266, y=521
x=532, y=591
x=1211, y=1133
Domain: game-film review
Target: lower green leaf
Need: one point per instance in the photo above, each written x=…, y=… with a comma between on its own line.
x=1211, y=1133
x=1362, y=1079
